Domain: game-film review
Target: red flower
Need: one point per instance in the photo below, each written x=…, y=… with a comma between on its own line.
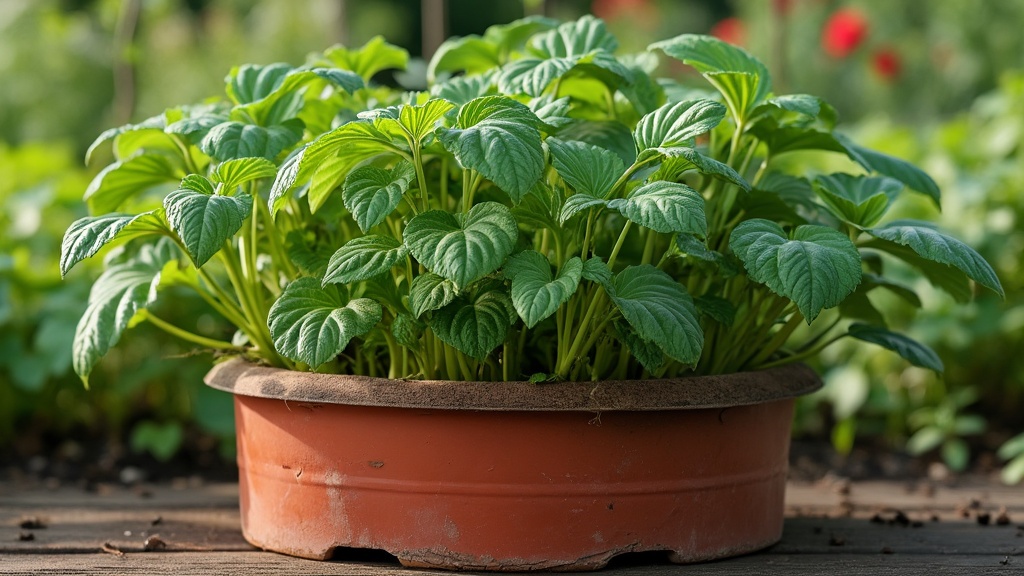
x=613, y=9
x=887, y=63
x=731, y=30
x=843, y=32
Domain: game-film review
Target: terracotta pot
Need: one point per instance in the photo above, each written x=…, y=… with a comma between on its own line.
x=512, y=476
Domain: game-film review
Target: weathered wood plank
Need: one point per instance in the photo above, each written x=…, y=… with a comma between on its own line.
x=263, y=563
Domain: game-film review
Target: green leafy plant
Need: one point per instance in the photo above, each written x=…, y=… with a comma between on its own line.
x=943, y=426
x=547, y=210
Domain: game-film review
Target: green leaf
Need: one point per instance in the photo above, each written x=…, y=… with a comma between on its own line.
x=251, y=82
x=116, y=297
x=86, y=236
x=936, y=246
x=160, y=440
x=858, y=306
x=462, y=89
x=236, y=172
x=677, y=124
x=915, y=178
x=665, y=207
x=323, y=158
x=956, y=454
x=421, y=121
x=660, y=311
x=718, y=309
x=232, y=140
x=742, y=79
x=532, y=76
x=371, y=58
x=371, y=193
x=588, y=169
x=158, y=122
x=123, y=180
x=578, y=203
x=470, y=54
x=1013, y=472
x=780, y=139
x=595, y=270
x=554, y=112
x=196, y=128
x=607, y=134
x=872, y=281
x=908, y=348
x=646, y=352
x=407, y=331
x=497, y=137
x=312, y=324
x=287, y=98
x=577, y=38
x=942, y=276
x=204, y=222
x=536, y=293
x=475, y=325
x=680, y=159
x=925, y=440
x=805, y=107
x=859, y=200
x=817, y=269
x=463, y=248
x=363, y=258
x=430, y=292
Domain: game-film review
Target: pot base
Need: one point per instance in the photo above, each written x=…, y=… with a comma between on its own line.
x=511, y=491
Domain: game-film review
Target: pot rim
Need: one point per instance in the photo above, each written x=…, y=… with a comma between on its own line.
x=238, y=376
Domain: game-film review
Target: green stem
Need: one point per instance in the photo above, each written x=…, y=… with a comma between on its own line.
x=779, y=339
x=802, y=355
x=420, y=176
x=574, y=350
x=186, y=335
x=618, y=244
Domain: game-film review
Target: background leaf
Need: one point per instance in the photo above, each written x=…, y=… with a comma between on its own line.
x=588, y=169
x=126, y=179
x=86, y=236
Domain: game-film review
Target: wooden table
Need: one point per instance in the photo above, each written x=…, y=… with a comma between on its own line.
x=832, y=527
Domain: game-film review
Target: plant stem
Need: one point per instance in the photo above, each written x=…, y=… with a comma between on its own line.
x=802, y=355
x=186, y=335
x=618, y=244
x=420, y=176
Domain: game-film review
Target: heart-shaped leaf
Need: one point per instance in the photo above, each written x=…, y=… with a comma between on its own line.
x=204, y=222
x=681, y=159
x=677, y=124
x=430, y=292
x=374, y=56
x=817, y=269
x=363, y=258
x=936, y=246
x=497, y=137
x=476, y=324
x=577, y=38
x=312, y=324
x=608, y=134
x=371, y=193
x=463, y=248
x=86, y=236
x=126, y=179
x=536, y=293
x=117, y=295
x=232, y=140
x=742, y=79
x=588, y=169
x=859, y=200
x=665, y=207
x=909, y=349
x=251, y=82
x=234, y=173
x=660, y=311
x=532, y=76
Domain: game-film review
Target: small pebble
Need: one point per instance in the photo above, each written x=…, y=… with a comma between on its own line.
x=32, y=523
x=887, y=550
x=154, y=543
x=128, y=533
x=836, y=540
x=26, y=536
x=1002, y=519
x=984, y=518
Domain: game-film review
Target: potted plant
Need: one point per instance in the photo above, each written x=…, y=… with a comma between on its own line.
x=549, y=311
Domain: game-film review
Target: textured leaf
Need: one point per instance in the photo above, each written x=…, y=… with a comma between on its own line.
x=370, y=58
x=372, y=193
x=312, y=324
x=646, y=352
x=430, y=292
x=158, y=122
x=915, y=178
x=463, y=248
x=536, y=293
x=116, y=296
x=948, y=278
x=588, y=169
x=232, y=140
x=936, y=246
x=872, y=281
x=607, y=134
x=718, y=309
x=532, y=76
x=497, y=137
x=407, y=331
x=470, y=54
x=421, y=121
x=780, y=139
x=359, y=141
x=595, y=270
x=86, y=236
x=817, y=269
x=241, y=170
x=742, y=79
x=554, y=112
x=287, y=98
x=677, y=124
x=909, y=349
x=204, y=222
x=578, y=203
x=462, y=89
x=664, y=207
x=251, y=82
x=123, y=180
x=363, y=258
x=475, y=325
x=196, y=128
x=680, y=159
x=859, y=200
x=576, y=38
x=660, y=311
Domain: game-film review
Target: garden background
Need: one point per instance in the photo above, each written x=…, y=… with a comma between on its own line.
x=938, y=83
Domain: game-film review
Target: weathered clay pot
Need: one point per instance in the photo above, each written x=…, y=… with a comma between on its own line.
x=512, y=476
